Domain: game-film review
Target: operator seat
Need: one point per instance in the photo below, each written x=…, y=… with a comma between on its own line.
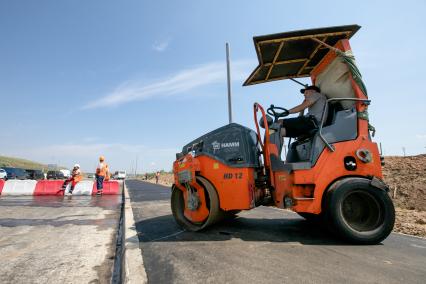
x=293, y=155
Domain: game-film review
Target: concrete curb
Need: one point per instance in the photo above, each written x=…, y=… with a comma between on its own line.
x=118, y=273
x=134, y=267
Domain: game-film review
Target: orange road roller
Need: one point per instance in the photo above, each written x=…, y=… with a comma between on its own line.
x=331, y=174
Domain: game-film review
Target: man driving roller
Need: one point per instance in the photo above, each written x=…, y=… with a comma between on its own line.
x=297, y=126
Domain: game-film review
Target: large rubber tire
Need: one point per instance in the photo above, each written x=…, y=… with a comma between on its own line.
x=359, y=212
x=212, y=199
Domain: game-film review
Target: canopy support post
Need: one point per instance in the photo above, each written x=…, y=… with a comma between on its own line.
x=326, y=45
x=300, y=83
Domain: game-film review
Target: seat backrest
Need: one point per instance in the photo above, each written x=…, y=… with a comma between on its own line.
x=342, y=127
x=333, y=108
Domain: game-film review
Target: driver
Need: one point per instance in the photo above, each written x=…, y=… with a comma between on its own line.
x=297, y=126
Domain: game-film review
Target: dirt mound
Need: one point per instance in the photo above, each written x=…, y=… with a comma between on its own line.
x=406, y=177
x=164, y=179
x=410, y=222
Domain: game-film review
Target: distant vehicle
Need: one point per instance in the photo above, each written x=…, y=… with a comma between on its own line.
x=67, y=173
x=55, y=175
x=35, y=174
x=15, y=173
x=3, y=174
x=119, y=175
x=90, y=175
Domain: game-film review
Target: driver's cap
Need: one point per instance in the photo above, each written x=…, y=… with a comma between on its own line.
x=311, y=88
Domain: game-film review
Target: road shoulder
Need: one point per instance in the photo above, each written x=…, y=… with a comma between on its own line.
x=135, y=269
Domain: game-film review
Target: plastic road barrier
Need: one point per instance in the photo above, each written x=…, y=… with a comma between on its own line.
x=19, y=187
x=49, y=187
x=54, y=187
x=1, y=185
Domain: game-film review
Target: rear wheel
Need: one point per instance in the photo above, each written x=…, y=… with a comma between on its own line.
x=359, y=212
x=207, y=212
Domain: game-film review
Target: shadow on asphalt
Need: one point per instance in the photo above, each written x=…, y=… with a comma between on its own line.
x=164, y=229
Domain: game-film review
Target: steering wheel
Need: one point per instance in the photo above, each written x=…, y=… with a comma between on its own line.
x=272, y=110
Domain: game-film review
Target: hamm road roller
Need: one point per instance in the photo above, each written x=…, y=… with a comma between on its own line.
x=332, y=175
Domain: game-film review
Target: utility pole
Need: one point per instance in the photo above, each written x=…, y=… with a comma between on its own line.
x=228, y=73
x=136, y=166
x=403, y=150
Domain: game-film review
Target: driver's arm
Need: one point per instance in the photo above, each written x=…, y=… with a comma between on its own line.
x=301, y=107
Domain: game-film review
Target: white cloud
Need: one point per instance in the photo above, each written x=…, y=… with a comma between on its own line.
x=90, y=139
x=421, y=136
x=182, y=81
x=161, y=45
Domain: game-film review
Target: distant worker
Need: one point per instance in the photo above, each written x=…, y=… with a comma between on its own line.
x=101, y=173
x=75, y=177
x=298, y=126
x=157, y=176
x=108, y=173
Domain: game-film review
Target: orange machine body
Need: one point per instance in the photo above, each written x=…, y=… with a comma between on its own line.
x=238, y=189
x=235, y=186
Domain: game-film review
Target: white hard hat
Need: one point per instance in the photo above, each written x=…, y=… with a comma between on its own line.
x=76, y=166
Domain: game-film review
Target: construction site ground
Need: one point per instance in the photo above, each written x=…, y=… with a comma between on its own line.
x=57, y=239
x=406, y=177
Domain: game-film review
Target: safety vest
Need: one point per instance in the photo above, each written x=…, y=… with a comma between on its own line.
x=102, y=169
x=76, y=175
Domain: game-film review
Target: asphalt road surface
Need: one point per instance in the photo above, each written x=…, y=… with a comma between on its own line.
x=58, y=239
x=264, y=245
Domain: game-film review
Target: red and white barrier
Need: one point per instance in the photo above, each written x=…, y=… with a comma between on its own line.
x=19, y=187
x=1, y=185
x=54, y=187
x=49, y=187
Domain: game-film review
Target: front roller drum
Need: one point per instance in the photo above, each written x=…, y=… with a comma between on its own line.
x=206, y=212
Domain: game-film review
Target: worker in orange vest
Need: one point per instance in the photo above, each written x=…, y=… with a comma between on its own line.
x=101, y=172
x=76, y=176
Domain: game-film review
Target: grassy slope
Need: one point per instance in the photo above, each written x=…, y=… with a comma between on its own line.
x=20, y=163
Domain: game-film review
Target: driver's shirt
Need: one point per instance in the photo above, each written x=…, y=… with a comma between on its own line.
x=319, y=100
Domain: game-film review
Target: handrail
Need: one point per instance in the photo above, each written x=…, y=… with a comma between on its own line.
x=259, y=138
x=265, y=145
x=257, y=107
x=329, y=146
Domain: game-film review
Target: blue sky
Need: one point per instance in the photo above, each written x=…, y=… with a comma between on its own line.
x=139, y=79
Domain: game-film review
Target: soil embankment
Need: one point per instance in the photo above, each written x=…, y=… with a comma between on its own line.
x=406, y=177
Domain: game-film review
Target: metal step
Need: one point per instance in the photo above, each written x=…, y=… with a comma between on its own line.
x=303, y=198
